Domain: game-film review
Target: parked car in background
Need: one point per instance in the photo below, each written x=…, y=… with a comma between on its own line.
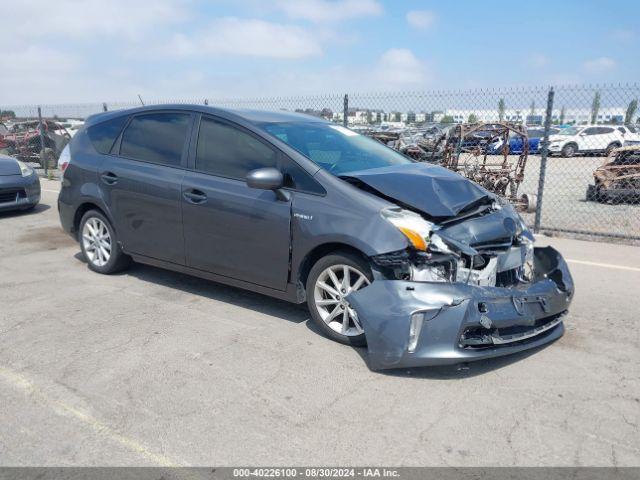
x=19, y=185
x=516, y=142
x=601, y=139
x=420, y=264
x=630, y=133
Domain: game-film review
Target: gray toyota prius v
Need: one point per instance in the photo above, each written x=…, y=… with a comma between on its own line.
x=410, y=259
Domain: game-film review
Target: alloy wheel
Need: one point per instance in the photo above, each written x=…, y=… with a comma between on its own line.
x=331, y=288
x=96, y=241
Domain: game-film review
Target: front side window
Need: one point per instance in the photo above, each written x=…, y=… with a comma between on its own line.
x=156, y=138
x=230, y=152
x=334, y=148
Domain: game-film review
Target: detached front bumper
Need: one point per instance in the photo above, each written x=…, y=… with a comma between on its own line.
x=410, y=324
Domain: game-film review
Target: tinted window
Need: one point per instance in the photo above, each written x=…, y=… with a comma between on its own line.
x=605, y=130
x=156, y=137
x=297, y=178
x=229, y=152
x=591, y=131
x=102, y=135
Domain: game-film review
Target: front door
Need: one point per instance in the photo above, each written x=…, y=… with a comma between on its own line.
x=142, y=185
x=229, y=228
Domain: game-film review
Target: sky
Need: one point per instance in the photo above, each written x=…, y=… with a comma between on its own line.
x=74, y=51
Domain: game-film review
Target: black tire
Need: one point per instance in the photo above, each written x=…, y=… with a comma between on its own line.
x=610, y=148
x=333, y=259
x=118, y=260
x=569, y=150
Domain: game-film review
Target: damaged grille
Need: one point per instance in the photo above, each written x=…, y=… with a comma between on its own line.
x=478, y=337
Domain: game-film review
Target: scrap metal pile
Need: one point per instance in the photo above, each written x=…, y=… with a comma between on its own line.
x=478, y=151
x=618, y=179
x=22, y=141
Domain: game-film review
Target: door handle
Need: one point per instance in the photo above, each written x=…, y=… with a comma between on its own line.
x=109, y=178
x=194, y=196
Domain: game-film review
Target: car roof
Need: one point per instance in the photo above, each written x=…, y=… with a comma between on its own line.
x=255, y=117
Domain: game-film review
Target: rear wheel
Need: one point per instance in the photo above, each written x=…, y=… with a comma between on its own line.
x=611, y=148
x=330, y=280
x=99, y=244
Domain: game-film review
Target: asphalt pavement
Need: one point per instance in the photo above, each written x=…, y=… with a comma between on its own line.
x=151, y=367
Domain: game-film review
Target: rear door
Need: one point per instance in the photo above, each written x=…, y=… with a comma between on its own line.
x=142, y=184
x=229, y=228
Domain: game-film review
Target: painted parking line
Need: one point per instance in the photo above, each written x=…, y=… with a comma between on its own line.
x=604, y=265
x=22, y=383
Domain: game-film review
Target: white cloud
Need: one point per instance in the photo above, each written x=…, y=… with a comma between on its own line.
x=399, y=67
x=329, y=10
x=421, y=19
x=247, y=37
x=538, y=60
x=88, y=18
x=599, y=65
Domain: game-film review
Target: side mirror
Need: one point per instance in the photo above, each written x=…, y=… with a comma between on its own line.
x=268, y=179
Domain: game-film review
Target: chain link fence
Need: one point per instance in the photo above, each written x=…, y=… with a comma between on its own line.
x=568, y=157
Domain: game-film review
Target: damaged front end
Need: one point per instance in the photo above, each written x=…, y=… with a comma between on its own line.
x=474, y=288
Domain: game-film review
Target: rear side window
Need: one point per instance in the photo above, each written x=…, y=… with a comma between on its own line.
x=230, y=152
x=604, y=130
x=156, y=138
x=104, y=134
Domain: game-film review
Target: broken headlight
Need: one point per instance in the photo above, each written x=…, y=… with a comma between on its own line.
x=413, y=226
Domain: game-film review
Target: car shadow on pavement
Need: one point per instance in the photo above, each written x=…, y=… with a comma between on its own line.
x=41, y=207
x=459, y=371
x=219, y=292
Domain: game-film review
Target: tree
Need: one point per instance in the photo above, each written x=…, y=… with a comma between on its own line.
x=631, y=111
x=501, y=109
x=397, y=117
x=369, y=117
x=533, y=108
x=7, y=113
x=472, y=118
x=447, y=119
x=595, y=107
x=562, y=116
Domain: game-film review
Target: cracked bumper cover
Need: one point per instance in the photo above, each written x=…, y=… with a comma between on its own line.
x=463, y=322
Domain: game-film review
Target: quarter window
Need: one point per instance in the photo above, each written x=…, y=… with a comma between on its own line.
x=104, y=134
x=156, y=138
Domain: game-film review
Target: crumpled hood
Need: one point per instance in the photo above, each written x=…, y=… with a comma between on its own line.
x=434, y=190
x=8, y=166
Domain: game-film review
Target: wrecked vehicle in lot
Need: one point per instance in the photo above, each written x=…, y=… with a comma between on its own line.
x=482, y=153
x=23, y=141
x=420, y=264
x=618, y=179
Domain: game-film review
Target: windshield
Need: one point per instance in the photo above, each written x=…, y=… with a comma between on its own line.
x=335, y=148
x=568, y=131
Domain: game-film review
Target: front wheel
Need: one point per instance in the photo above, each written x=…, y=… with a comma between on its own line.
x=99, y=244
x=569, y=150
x=330, y=280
